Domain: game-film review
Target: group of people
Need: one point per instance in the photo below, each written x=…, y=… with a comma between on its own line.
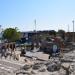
x=6, y=49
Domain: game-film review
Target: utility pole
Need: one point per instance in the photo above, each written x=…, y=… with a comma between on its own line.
x=0, y=31
x=68, y=28
x=35, y=24
x=73, y=30
x=35, y=31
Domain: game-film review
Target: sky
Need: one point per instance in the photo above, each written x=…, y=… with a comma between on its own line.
x=49, y=14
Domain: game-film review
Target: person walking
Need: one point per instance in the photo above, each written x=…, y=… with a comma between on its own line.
x=3, y=51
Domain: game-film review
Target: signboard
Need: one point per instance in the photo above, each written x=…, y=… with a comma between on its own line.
x=55, y=48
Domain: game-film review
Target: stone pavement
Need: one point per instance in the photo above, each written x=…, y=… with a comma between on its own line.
x=9, y=66
x=39, y=55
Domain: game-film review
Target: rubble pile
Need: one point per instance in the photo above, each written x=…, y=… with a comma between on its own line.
x=52, y=66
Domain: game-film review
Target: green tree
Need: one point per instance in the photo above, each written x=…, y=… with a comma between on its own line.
x=52, y=32
x=61, y=33
x=11, y=34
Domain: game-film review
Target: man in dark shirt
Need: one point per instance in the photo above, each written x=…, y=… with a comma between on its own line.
x=3, y=51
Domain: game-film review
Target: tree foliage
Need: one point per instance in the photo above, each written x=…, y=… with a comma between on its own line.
x=11, y=34
x=52, y=32
x=61, y=33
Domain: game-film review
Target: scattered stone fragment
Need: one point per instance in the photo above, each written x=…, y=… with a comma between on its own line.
x=37, y=66
x=52, y=67
x=24, y=73
x=66, y=65
x=43, y=69
x=26, y=67
x=34, y=72
x=62, y=72
x=55, y=65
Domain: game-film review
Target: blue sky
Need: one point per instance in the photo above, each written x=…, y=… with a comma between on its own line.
x=49, y=14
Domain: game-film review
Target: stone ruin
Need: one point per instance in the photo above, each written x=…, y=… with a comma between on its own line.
x=53, y=66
